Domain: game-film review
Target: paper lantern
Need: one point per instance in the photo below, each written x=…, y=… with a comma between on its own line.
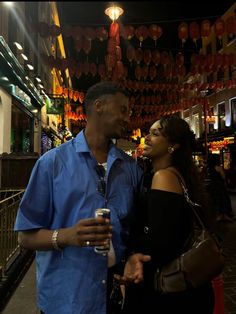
x=205, y=28
x=219, y=28
x=138, y=72
x=86, y=45
x=141, y=33
x=101, y=33
x=183, y=32
x=155, y=32
x=194, y=31
x=231, y=26
x=156, y=57
x=78, y=43
x=179, y=59
x=138, y=55
x=129, y=32
x=147, y=56
x=89, y=33
x=130, y=53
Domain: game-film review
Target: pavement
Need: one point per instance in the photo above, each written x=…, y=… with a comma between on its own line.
x=23, y=301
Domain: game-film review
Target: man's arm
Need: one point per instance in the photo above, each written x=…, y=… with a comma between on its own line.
x=94, y=231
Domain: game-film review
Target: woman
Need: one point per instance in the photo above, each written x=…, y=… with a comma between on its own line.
x=168, y=223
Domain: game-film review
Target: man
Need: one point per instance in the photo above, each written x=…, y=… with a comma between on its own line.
x=56, y=214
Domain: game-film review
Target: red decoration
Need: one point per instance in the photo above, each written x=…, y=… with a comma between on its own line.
x=129, y=32
x=111, y=46
x=147, y=56
x=205, y=28
x=156, y=57
x=194, y=31
x=138, y=55
x=219, y=28
x=155, y=32
x=231, y=26
x=89, y=33
x=114, y=29
x=183, y=32
x=130, y=53
x=179, y=59
x=102, y=33
x=141, y=33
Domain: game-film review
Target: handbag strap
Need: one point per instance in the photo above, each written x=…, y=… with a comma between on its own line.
x=189, y=201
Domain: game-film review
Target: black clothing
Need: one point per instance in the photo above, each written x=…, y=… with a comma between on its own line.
x=169, y=223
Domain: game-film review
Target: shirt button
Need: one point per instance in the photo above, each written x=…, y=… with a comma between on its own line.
x=104, y=281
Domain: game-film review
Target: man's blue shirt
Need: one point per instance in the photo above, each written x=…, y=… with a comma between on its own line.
x=61, y=191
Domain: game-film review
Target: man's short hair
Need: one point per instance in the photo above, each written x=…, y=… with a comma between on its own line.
x=101, y=89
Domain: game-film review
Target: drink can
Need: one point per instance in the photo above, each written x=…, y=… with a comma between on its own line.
x=105, y=213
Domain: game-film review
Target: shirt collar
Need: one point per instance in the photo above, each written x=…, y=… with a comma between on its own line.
x=82, y=147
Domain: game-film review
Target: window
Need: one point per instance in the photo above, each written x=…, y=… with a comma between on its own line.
x=21, y=131
x=233, y=112
x=221, y=116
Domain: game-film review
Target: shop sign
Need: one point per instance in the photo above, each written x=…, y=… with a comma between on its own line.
x=229, y=140
x=218, y=144
x=55, y=105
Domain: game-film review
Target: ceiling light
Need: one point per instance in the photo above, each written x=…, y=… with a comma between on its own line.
x=114, y=12
x=4, y=78
x=8, y=3
x=30, y=66
x=18, y=46
x=24, y=57
x=38, y=79
x=40, y=86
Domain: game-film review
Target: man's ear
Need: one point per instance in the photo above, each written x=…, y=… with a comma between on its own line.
x=98, y=106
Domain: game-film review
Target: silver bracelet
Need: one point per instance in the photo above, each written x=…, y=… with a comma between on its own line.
x=54, y=240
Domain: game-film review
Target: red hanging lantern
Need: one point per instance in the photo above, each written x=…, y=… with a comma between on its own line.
x=118, y=53
x=183, y=32
x=89, y=33
x=209, y=60
x=101, y=33
x=218, y=60
x=110, y=62
x=78, y=43
x=155, y=32
x=54, y=30
x=102, y=71
x=179, y=59
x=130, y=53
x=195, y=59
x=219, y=28
x=147, y=56
x=138, y=55
x=145, y=72
x=138, y=72
x=141, y=33
x=78, y=73
x=165, y=58
x=181, y=71
x=120, y=69
x=114, y=29
x=111, y=46
x=205, y=28
x=231, y=26
x=93, y=69
x=76, y=96
x=128, y=32
x=152, y=72
x=77, y=32
x=156, y=57
x=86, y=45
x=194, y=31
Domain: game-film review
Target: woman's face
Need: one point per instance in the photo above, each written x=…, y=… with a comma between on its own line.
x=156, y=145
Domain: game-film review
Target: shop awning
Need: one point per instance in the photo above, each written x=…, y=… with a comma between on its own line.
x=11, y=68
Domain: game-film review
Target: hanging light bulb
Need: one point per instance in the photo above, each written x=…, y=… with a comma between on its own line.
x=114, y=12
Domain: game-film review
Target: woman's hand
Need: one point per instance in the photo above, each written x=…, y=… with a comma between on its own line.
x=133, y=272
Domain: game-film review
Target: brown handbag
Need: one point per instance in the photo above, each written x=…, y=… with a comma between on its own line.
x=199, y=264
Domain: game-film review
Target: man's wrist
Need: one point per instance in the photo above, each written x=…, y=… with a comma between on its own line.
x=54, y=240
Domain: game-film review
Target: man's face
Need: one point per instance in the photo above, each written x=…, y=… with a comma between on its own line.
x=115, y=115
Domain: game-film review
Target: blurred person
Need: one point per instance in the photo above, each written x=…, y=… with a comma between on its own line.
x=166, y=223
x=56, y=216
x=216, y=186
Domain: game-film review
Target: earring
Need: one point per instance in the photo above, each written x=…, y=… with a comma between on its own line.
x=171, y=149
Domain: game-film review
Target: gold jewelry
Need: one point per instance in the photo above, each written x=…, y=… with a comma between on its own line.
x=54, y=240
x=170, y=149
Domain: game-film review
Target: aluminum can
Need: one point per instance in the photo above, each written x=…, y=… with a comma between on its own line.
x=105, y=213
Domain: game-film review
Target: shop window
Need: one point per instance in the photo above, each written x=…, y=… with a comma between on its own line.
x=221, y=116
x=233, y=112
x=21, y=131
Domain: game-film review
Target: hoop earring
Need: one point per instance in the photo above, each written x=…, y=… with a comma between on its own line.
x=170, y=149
